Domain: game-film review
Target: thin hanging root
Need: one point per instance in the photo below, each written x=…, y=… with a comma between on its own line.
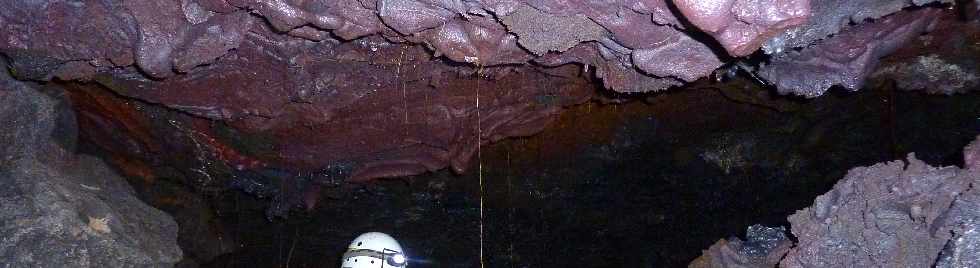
x=398, y=76
x=479, y=156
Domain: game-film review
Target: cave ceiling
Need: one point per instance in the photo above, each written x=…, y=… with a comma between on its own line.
x=355, y=90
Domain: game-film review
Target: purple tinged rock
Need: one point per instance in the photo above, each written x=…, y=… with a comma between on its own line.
x=742, y=26
x=161, y=27
x=846, y=59
x=681, y=57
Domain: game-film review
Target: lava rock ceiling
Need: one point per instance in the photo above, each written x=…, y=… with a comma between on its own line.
x=355, y=90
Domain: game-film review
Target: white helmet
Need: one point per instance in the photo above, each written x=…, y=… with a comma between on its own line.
x=374, y=250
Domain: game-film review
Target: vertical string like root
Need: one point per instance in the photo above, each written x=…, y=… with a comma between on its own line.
x=479, y=157
x=200, y=153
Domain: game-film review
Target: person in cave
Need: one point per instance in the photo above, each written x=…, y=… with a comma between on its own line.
x=372, y=250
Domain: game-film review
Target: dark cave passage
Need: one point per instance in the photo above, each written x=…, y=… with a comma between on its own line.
x=657, y=179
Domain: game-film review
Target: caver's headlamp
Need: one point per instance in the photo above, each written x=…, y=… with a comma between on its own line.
x=389, y=257
x=374, y=250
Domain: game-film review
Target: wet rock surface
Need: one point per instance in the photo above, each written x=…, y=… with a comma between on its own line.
x=58, y=209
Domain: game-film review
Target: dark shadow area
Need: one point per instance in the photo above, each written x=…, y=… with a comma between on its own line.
x=608, y=185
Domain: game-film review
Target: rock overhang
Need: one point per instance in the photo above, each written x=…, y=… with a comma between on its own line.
x=360, y=90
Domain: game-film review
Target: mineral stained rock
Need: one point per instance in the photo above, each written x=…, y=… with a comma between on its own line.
x=933, y=74
x=62, y=210
x=894, y=214
x=371, y=110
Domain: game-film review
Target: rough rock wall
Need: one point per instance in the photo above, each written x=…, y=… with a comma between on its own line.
x=62, y=210
x=894, y=214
